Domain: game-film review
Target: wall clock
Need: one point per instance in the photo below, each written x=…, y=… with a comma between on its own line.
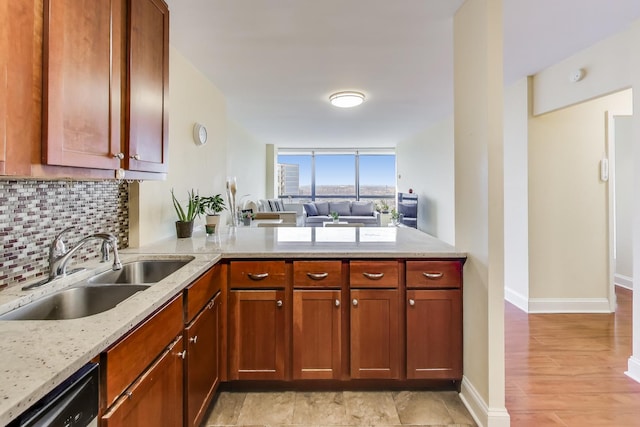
x=199, y=134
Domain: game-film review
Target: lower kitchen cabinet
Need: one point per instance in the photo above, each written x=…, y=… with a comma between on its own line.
x=154, y=399
x=202, y=343
x=375, y=334
x=317, y=325
x=434, y=334
x=257, y=334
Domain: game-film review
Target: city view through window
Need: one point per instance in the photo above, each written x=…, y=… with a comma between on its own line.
x=353, y=176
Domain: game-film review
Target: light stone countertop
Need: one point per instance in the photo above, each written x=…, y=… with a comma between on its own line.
x=36, y=356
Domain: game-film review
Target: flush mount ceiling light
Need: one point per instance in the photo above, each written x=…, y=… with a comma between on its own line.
x=346, y=99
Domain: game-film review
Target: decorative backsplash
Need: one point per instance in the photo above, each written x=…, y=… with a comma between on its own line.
x=32, y=213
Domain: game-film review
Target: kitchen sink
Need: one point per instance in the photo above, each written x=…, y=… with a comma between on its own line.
x=73, y=303
x=144, y=271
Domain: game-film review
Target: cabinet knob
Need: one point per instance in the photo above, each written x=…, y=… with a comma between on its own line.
x=433, y=276
x=193, y=339
x=279, y=303
x=129, y=393
x=355, y=302
x=182, y=354
x=119, y=156
x=412, y=302
x=373, y=276
x=337, y=303
x=136, y=157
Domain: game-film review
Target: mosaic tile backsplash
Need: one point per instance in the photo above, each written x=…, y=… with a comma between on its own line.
x=32, y=213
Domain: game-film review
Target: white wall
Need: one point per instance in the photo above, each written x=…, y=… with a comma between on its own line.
x=247, y=162
x=516, y=194
x=568, y=207
x=623, y=126
x=425, y=163
x=479, y=207
x=193, y=98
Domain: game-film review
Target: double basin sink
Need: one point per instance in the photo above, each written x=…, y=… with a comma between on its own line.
x=98, y=293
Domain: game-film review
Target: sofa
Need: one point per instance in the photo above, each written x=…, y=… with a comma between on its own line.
x=274, y=208
x=315, y=213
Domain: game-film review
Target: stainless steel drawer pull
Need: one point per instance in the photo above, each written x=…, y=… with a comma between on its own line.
x=318, y=276
x=182, y=354
x=259, y=276
x=194, y=339
x=433, y=275
x=373, y=276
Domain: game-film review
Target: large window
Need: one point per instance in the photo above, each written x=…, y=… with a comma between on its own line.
x=334, y=175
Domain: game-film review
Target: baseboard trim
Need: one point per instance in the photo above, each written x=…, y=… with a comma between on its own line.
x=569, y=305
x=477, y=407
x=623, y=281
x=633, y=371
x=517, y=299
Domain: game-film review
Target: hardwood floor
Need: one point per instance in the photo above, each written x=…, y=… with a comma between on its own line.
x=568, y=369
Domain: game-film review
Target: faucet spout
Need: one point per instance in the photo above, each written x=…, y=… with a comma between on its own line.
x=59, y=256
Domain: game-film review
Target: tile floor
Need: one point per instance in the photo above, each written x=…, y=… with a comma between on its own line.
x=348, y=408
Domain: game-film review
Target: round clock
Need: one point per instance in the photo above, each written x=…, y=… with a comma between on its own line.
x=199, y=134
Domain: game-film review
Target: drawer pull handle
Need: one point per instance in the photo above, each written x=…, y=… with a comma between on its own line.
x=317, y=276
x=373, y=276
x=119, y=156
x=194, y=339
x=412, y=302
x=355, y=302
x=135, y=157
x=279, y=303
x=337, y=303
x=129, y=394
x=433, y=276
x=257, y=277
x=183, y=354
x=210, y=305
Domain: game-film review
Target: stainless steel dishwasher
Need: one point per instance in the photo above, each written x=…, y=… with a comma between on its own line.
x=74, y=403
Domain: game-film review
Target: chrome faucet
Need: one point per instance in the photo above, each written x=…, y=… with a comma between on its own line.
x=59, y=256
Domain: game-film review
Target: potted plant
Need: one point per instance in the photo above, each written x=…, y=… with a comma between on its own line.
x=395, y=217
x=247, y=217
x=184, y=224
x=335, y=216
x=211, y=206
x=384, y=206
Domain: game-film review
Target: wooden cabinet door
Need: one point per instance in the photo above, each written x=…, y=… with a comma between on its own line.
x=202, y=342
x=83, y=66
x=375, y=334
x=148, y=86
x=155, y=399
x=257, y=334
x=317, y=328
x=434, y=334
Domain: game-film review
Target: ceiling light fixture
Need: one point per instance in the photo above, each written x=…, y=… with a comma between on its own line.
x=346, y=99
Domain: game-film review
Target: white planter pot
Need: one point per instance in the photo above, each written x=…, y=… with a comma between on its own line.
x=212, y=223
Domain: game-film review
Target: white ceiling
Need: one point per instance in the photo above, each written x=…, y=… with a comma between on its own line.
x=277, y=61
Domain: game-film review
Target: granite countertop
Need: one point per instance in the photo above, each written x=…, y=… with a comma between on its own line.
x=36, y=356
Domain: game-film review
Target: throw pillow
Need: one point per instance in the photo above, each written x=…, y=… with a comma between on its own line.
x=264, y=205
x=362, y=209
x=310, y=209
x=280, y=205
x=342, y=208
x=323, y=208
x=273, y=205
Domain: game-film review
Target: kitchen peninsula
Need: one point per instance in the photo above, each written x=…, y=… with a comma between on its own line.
x=292, y=304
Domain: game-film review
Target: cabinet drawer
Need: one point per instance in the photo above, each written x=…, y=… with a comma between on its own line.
x=257, y=274
x=373, y=274
x=200, y=292
x=434, y=274
x=317, y=274
x=126, y=360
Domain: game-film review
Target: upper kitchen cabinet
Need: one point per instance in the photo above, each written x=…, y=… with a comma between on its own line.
x=20, y=85
x=83, y=69
x=148, y=86
x=89, y=85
